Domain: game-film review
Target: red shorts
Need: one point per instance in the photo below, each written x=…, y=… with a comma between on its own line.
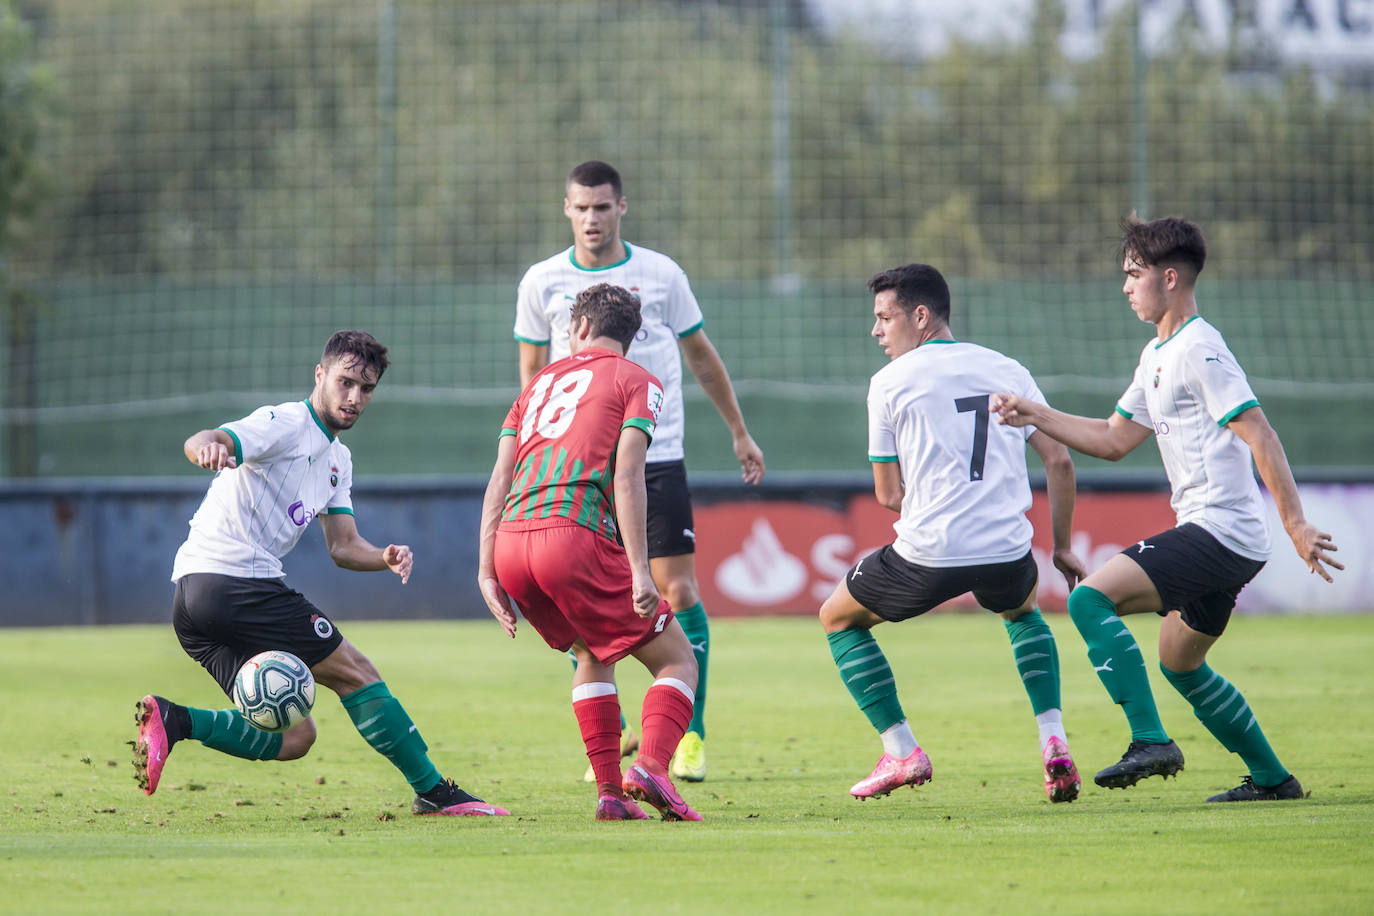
x=571, y=583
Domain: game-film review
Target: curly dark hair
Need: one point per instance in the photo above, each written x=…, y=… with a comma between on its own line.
x=613, y=311
x=357, y=347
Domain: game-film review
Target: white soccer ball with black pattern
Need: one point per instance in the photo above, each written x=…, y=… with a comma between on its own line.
x=274, y=690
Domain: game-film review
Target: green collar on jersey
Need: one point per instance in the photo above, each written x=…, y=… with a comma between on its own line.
x=316, y=417
x=938, y=340
x=1176, y=333
x=572, y=256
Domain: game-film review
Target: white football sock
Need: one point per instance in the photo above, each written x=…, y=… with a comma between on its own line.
x=898, y=741
x=1051, y=724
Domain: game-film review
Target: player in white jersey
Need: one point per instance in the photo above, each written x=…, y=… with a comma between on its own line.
x=960, y=486
x=276, y=470
x=672, y=330
x=1191, y=395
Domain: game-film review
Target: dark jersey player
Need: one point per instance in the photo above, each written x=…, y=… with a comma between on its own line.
x=566, y=492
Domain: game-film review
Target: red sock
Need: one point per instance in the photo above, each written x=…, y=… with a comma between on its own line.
x=599, y=720
x=666, y=714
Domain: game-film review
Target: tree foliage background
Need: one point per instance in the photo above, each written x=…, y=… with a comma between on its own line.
x=231, y=180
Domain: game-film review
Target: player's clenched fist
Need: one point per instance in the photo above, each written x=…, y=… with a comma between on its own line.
x=1010, y=409
x=215, y=456
x=646, y=595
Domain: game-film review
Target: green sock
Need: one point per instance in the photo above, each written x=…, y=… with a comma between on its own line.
x=227, y=731
x=698, y=630
x=1117, y=660
x=383, y=723
x=1037, y=659
x=573, y=658
x=865, y=671
x=1221, y=708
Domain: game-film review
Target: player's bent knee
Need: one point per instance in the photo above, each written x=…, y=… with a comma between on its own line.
x=346, y=670
x=840, y=612
x=297, y=741
x=1085, y=605
x=682, y=593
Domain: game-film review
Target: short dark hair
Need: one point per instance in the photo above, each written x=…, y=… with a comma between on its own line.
x=357, y=347
x=594, y=173
x=613, y=311
x=915, y=284
x=1166, y=242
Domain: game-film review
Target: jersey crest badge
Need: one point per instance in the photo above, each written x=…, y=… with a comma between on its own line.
x=655, y=401
x=333, y=476
x=1157, y=372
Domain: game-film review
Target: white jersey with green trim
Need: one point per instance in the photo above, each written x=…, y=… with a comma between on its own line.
x=1187, y=388
x=964, y=474
x=669, y=311
x=290, y=468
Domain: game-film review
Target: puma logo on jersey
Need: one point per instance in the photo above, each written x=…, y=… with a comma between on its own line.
x=660, y=623
x=1105, y=666
x=857, y=573
x=1212, y=359
x=1141, y=546
x=689, y=533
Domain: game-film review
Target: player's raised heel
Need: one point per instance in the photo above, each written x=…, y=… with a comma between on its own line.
x=447, y=798
x=152, y=747
x=658, y=791
x=610, y=808
x=893, y=773
x=1249, y=790
x=1140, y=761
x=1061, y=776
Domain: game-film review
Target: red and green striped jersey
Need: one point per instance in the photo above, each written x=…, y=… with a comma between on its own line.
x=567, y=423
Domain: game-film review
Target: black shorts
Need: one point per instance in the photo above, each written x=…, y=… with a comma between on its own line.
x=668, y=518
x=896, y=589
x=1194, y=574
x=222, y=621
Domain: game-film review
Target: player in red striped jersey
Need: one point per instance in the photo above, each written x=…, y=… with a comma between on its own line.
x=566, y=492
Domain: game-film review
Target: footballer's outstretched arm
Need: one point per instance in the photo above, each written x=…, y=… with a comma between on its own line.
x=709, y=370
x=1112, y=438
x=498, y=602
x=350, y=550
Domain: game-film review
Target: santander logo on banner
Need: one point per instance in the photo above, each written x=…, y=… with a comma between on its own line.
x=785, y=556
x=762, y=572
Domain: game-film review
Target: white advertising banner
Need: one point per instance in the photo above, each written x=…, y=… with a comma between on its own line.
x=1320, y=33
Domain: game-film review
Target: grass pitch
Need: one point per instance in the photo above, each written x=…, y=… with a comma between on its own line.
x=333, y=833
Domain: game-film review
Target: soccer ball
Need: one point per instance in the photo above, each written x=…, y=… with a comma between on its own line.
x=274, y=691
